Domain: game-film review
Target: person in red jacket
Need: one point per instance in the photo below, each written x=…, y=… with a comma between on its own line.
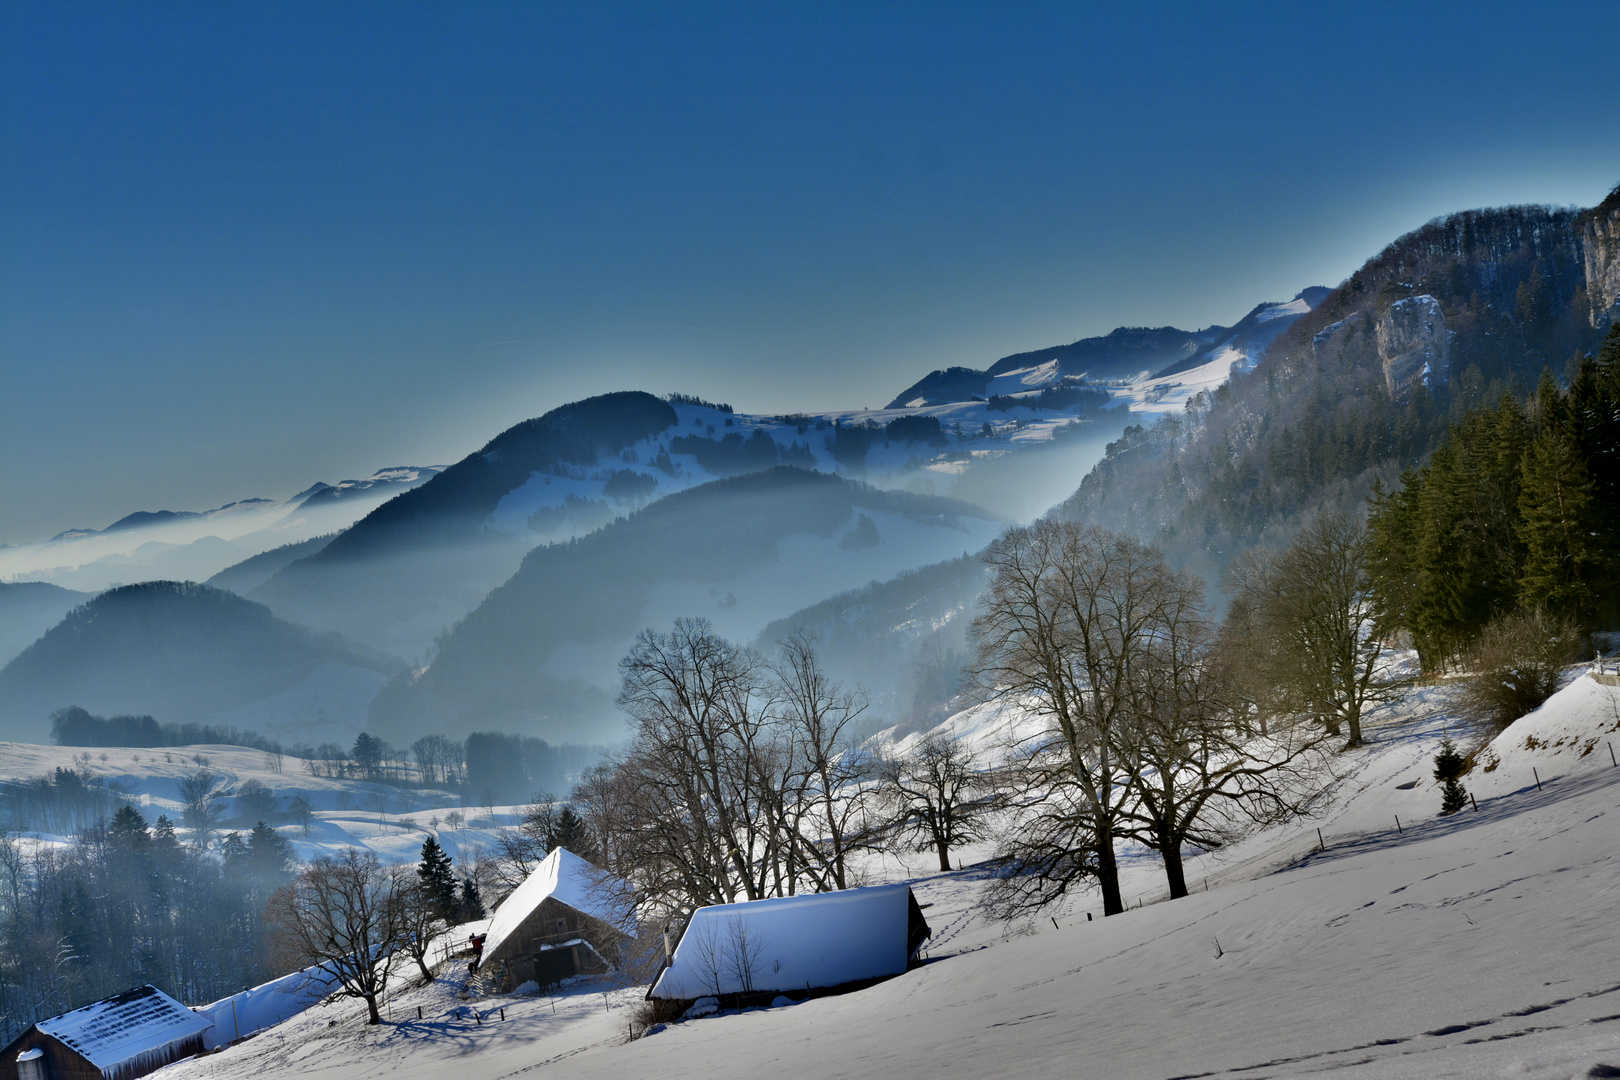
x=477, y=943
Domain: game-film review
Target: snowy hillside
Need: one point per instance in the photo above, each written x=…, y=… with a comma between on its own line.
x=1471, y=946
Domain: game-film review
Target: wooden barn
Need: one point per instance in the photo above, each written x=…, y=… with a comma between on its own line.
x=567, y=918
x=116, y=1038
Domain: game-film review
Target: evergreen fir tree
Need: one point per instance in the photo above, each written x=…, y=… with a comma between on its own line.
x=1556, y=527
x=568, y=831
x=469, y=905
x=128, y=829
x=1448, y=768
x=438, y=881
x=270, y=854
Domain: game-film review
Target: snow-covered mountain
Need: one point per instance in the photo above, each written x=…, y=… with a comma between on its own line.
x=1151, y=370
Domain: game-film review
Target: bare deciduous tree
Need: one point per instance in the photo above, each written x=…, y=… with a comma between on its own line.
x=199, y=793
x=413, y=916
x=1200, y=774
x=1313, y=625
x=825, y=787
x=339, y=913
x=937, y=796
x=1065, y=632
x=698, y=705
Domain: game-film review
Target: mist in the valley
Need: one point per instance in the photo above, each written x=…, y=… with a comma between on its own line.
x=1024, y=484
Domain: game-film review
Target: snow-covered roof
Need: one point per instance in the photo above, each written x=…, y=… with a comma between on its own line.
x=266, y=1004
x=568, y=879
x=791, y=943
x=128, y=1025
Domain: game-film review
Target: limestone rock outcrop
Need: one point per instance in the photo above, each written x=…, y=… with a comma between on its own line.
x=1600, y=238
x=1414, y=344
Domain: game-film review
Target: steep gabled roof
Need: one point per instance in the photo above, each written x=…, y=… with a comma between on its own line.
x=567, y=879
x=129, y=1025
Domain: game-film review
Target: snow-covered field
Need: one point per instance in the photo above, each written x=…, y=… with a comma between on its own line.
x=1478, y=945
x=391, y=821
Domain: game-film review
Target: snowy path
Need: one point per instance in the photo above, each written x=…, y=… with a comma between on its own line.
x=1480, y=945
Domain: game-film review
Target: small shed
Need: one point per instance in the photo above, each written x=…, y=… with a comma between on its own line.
x=795, y=944
x=116, y=1038
x=567, y=918
x=266, y=1005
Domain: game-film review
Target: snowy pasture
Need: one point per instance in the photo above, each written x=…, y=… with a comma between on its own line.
x=388, y=820
x=1471, y=946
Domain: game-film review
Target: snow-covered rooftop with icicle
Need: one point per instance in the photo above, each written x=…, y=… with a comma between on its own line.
x=125, y=1026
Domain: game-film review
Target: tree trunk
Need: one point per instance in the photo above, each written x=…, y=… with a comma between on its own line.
x=1108, y=879
x=371, y=1007
x=944, y=855
x=1354, y=722
x=1174, y=872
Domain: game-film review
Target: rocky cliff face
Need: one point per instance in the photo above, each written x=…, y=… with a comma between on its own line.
x=1600, y=238
x=1414, y=345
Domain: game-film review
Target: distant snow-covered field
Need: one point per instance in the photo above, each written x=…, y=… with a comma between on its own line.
x=391, y=821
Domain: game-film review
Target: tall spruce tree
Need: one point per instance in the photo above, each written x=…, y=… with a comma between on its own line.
x=437, y=880
x=1557, y=527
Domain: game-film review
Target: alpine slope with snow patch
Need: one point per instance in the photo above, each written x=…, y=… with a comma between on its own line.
x=1477, y=945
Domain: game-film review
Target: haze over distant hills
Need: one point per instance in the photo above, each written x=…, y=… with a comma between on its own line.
x=515, y=578
x=190, y=653
x=541, y=651
x=183, y=544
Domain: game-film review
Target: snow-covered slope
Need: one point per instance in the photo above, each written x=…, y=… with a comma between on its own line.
x=1478, y=945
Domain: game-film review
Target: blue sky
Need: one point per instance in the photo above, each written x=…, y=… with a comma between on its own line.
x=248, y=246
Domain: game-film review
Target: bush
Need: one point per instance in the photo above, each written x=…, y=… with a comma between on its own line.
x=652, y=1011
x=1516, y=664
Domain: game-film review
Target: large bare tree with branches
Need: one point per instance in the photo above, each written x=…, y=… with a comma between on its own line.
x=1066, y=631
x=340, y=913
x=937, y=796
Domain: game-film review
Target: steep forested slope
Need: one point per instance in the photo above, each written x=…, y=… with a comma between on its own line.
x=902, y=640
x=1446, y=317
x=255, y=570
x=538, y=654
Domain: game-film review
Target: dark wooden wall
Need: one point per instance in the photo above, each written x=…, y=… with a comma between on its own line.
x=64, y=1064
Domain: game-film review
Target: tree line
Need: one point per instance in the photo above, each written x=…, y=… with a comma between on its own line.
x=124, y=902
x=1517, y=512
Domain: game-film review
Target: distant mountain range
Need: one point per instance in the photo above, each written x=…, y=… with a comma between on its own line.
x=182, y=544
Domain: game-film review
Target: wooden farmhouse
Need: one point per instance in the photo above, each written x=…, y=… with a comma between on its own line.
x=797, y=945
x=567, y=918
x=117, y=1038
